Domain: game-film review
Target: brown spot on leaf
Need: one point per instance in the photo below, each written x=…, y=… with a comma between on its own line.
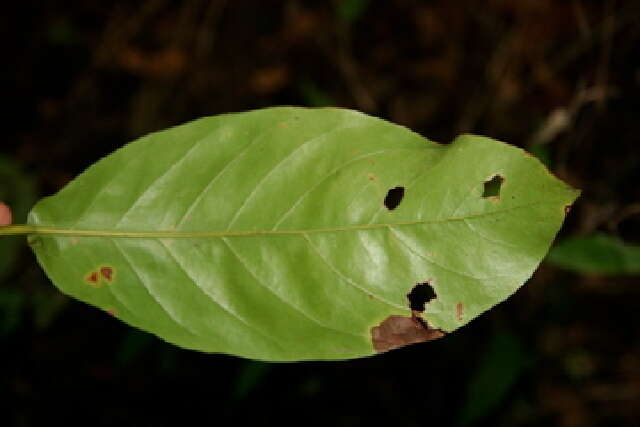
x=567, y=209
x=112, y=311
x=371, y=177
x=92, y=278
x=459, y=311
x=398, y=331
x=107, y=273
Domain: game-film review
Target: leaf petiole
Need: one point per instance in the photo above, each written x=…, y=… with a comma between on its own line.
x=17, y=230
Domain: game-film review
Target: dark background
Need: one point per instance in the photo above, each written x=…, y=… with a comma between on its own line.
x=559, y=78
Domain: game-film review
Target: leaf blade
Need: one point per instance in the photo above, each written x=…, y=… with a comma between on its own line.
x=264, y=234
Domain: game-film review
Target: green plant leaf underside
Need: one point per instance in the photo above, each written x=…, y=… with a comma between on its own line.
x=266, y=235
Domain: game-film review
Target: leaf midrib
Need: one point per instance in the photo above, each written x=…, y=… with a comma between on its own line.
x=169, y=234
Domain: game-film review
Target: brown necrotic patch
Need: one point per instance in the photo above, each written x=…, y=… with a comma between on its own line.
x=107, y=273
x=93, y=278
x=459, y=311
x=103, y=273
x=398, y=331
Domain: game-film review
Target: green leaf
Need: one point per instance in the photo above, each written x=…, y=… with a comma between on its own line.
x=265, y=234
x=598, y=253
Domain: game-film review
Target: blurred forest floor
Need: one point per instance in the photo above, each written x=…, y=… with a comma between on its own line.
x=559, y=78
